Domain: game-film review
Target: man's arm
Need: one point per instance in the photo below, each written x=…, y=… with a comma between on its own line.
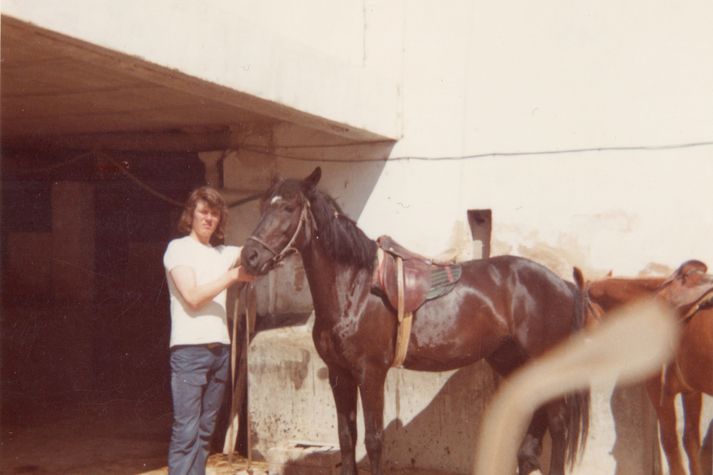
x=195, y=296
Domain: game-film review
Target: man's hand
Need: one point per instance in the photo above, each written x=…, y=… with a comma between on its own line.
x=238, y=274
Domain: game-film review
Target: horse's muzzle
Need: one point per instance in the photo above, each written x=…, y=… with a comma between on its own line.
x=256, y=260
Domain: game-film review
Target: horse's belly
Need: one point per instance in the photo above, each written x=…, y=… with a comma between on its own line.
x=441, y=341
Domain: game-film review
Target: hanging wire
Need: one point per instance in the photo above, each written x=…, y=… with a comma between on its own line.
x=474, y=156
x=258, y=150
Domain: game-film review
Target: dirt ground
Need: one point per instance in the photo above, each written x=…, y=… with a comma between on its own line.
x=116, y=437
x=113, y=437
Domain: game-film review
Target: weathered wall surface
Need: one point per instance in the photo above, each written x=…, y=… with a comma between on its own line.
x=586, y=94
x=431, y=419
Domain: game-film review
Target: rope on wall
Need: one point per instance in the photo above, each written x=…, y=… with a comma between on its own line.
x=133, y=178
x=138, y=181
x=57, y=166
x=160, y=195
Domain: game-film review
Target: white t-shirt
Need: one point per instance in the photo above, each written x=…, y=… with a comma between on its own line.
x=207, y=324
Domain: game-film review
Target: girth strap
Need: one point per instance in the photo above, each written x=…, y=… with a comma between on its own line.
x=403, y=331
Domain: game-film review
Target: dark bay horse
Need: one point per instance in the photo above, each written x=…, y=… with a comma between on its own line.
x=506, y=309
x=691, y=372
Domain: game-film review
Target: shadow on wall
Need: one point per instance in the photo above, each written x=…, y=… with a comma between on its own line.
x=441, y=439
x=444, y=433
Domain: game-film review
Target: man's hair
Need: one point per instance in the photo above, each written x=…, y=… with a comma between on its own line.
x=213, y=199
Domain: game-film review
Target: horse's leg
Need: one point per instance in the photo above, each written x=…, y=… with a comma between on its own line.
x=528, y=457
x=663, y=403
x=691, y=433
x=557, y=424
x=344, y=390
x=505, y=360
x=371, y=390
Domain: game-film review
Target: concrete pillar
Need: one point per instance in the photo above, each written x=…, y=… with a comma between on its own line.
x=212, y=172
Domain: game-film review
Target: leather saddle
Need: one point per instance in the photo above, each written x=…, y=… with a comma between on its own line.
x=423, y=279
x=688, y=289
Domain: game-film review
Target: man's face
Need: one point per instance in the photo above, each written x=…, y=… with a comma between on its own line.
x=205, y=221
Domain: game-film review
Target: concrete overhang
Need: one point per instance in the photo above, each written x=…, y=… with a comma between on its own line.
x=136, y=85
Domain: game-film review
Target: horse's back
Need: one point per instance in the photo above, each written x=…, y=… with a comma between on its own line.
x=542, y=309
x=522, y=271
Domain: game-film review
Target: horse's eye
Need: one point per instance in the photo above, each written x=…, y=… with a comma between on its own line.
x=289, y=208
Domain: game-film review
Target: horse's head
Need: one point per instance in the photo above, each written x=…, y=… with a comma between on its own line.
x=285, y=217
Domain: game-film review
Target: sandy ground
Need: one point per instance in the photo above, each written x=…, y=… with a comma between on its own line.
x=116, y=437
x=113, y=437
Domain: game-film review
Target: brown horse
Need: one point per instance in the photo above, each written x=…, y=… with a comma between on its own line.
x=689, y=290
x=506, y=309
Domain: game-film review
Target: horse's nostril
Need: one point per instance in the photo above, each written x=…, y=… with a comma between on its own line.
x=252, y=256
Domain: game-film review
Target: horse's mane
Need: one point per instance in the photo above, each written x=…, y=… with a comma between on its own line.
x=338, y=234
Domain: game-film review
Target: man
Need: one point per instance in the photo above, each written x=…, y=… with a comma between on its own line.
x=199, y=269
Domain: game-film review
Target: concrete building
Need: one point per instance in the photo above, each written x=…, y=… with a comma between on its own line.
x=571, y=134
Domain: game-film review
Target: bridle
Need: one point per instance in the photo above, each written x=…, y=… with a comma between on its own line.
x=306, y=217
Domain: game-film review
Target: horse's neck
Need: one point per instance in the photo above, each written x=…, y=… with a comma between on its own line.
x=611, y=293
x=336, y=288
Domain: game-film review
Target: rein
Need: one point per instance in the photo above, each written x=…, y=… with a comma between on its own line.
x=239, y=368
x=277, y=256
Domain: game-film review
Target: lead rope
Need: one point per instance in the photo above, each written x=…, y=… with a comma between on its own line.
x=242, y=377
x=250, y=313
x=229, y=444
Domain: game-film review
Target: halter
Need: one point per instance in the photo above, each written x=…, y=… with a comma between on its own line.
x=305, y=215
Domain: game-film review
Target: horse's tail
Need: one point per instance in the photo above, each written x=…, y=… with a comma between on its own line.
x=577, y=416
x=577, y=404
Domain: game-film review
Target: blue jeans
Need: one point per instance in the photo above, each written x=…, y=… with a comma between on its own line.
x=198, y=379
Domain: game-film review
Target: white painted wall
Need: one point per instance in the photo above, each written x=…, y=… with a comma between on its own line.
x=522, y=77
x=619, y=211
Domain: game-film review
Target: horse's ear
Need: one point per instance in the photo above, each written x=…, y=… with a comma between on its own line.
x=309, y=183
x=578, y=277
x=274, y=179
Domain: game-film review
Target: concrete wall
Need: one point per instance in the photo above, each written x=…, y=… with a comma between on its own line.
x=245, y=46
x=431, y=419
x=523, y=77
x=594, y=98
